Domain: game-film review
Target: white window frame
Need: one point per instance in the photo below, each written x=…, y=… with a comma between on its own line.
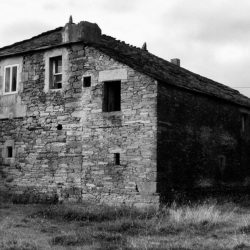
x=17, y=79
x=64, y=53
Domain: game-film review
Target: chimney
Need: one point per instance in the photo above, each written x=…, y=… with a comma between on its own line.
x=70, y=19
x=83, y=31
x=144, y=47
x=176, y=61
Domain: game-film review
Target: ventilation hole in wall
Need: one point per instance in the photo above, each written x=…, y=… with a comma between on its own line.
x=117, y=158
x=59, y=127
x=9, y=152
x=86, y=81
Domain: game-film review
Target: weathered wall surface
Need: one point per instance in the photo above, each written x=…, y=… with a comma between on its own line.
x=200, y=141
x=77, y=162
x=11, y=105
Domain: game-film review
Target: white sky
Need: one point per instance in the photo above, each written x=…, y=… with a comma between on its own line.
x=212, y=37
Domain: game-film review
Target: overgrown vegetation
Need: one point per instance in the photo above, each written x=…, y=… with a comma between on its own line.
x=206, y=225
x=18, y=245
x=97, y=213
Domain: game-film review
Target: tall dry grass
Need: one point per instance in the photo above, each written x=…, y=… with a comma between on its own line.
x=133, y=221
x=176, y=226
x=208, y=213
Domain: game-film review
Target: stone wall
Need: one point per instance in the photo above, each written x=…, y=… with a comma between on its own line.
x=201, y=143
x=65, y=145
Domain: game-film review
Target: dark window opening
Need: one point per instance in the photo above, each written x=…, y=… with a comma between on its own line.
x=56, y=72
x=243, y=122
x=9, y=152
x=117, y=158
x=59, y=127
x=86, y=81
x=112, y=96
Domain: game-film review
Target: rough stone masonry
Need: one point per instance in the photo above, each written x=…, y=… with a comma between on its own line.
x=84, y=117
x=64, y=144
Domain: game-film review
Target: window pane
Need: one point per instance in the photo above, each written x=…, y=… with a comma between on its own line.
x=14, y=78
x=57, y=83
x=7, y=80
x=58, y=65
x=57, y=78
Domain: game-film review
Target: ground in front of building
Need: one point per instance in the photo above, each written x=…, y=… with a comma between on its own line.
x=204, y=225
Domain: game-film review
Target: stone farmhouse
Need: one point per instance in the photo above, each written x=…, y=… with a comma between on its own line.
x=86, y=117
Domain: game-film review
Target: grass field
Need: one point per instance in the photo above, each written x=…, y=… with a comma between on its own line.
x=208, y=225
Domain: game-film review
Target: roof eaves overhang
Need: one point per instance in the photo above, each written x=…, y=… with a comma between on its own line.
x=157, y=78
x=214, y=96
x=44, y=48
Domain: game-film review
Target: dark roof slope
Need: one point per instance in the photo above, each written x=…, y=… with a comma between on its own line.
x=167, y=72
x=138, y=59
x=49, y=38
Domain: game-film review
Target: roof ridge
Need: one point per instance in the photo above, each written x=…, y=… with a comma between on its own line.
x=29, y=39
x=183, y=71
x=122, y=42
x=165, y=60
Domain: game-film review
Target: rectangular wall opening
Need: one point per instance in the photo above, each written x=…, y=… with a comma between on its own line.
x=117, y=158
x=86, y=81
x=112, y=96
x=9, y=152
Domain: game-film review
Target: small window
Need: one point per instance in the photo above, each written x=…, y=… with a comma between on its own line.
x=56, y=72
x=86, y=81
x=117, y=158
x=10, y=79
x=9, y=152
x=243, y=122
x=112, y=96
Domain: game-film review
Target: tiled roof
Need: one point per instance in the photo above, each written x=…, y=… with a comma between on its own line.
x=141, y=61
x=167, y=72
x=49, y=38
